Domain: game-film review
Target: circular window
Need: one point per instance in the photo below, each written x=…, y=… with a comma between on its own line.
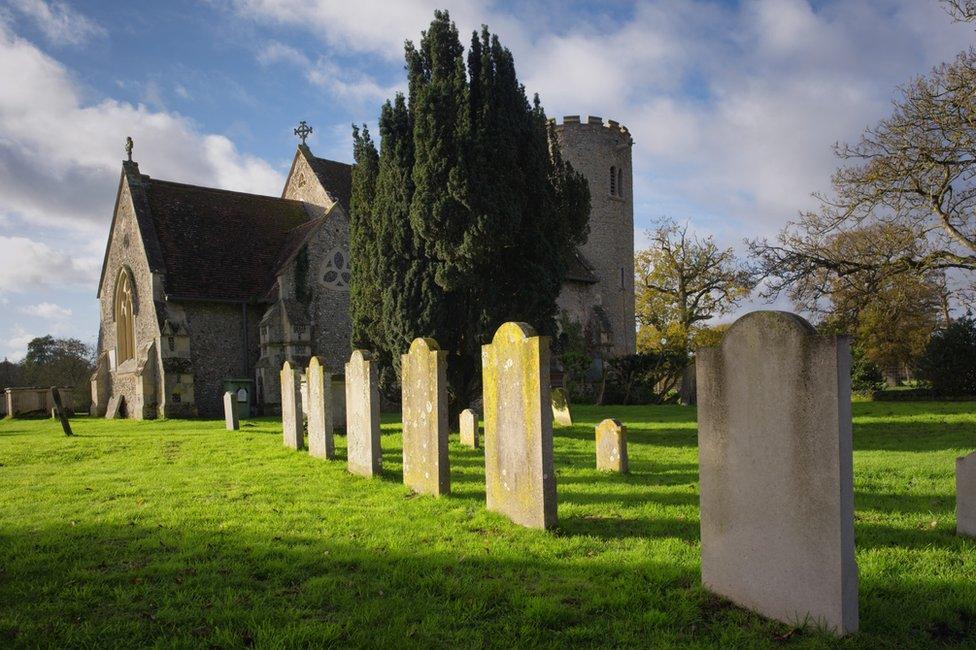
x=335, y=270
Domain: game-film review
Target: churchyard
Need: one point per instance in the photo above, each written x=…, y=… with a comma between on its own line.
x=181, y=532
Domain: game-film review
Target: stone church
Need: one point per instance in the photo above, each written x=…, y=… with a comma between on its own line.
x=201, y=286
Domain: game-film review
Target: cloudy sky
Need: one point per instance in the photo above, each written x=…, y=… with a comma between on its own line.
x=733, y=105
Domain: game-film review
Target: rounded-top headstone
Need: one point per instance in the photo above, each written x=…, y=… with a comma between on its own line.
x=513, y=331
x=424, y=344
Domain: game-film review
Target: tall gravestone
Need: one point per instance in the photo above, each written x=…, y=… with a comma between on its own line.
x=362, y=416
x=520, y=481
x=320, y=442
x=966, y=495
x=60, y=412
x=231, y=420
x=776, y=466
x=291, y=406
x=425, y=431
x=468, y=421
x=611, y=447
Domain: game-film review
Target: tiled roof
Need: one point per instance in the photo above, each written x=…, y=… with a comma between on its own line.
x=217, y=244
x=336, y=178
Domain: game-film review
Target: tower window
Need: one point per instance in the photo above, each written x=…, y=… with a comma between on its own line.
x=613, y=181
x=620, y=181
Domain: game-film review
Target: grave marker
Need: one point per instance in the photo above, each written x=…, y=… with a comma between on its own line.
x=426, y=467
x=611, y=447
x=231, y=421
x=292, y=428
x=966, y=495
x=468, y=421
x=59, y=411
x=320, y=442
x=776, y=465
x=365, y=457
x=560, y=408
x=520, y=481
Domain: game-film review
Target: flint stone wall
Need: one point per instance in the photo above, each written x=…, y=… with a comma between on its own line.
x=520, y=480
x=426, y=467
x=775, y=455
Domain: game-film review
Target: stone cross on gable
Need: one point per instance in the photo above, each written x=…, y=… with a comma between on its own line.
x=303, y=130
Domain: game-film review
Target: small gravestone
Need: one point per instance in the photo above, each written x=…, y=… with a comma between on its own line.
x=560, y=408
x=426, y=467
x=291, y=406
x=776, y=467
x=320, y=443
x=520, y=481
x=114, y=407
x=365, y=457
x=611, y=447
x=59, y=411
x=469, y=428
x=966, y=495
x=230, y=412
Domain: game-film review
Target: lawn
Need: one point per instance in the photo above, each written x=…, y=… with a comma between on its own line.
x=177, y=533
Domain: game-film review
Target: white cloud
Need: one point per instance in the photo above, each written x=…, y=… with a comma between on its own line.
x=277, y=52
x=59, y=23
x=28, y=265
x=60, y=156
x=352, y=86
x=16, y=343
x=46, y=310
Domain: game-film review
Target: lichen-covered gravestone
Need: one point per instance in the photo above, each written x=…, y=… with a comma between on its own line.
x=520, y=482
x=320, y=442
x=362, y=416
x=426, y=467
x=292, y=428
x=611, y=447
x=966, y=495
x=469, y=428
x=231, y=420
x=560, y=408
x=776, y=467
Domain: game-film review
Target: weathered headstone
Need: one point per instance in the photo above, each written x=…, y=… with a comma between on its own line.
x=469, y=428
x=560, y=408
x=520, y=481
x=362, y=416
x=114, y=407
x=611, y=447
x=231, y=420
x=292, y=428
x=776, y=466
x=966, y=495
x=59, y=411
x=320, y=443
x=426, y=467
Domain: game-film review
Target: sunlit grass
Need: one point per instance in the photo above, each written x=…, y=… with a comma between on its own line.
x=182, y=533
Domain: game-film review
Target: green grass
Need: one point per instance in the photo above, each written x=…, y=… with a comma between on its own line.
x=177, y=533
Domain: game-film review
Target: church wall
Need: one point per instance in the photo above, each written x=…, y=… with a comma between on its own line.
x=127, y=251
x=329, y=309
x=217, y=350
x=303, y=185
x=576, y=299
x=593, y=147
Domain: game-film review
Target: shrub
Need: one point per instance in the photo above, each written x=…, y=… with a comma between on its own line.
x=949, y=361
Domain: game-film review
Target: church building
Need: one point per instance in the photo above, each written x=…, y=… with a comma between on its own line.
x=202, y=287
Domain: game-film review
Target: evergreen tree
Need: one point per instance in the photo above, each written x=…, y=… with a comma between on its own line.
x=364, y=287
x=475, y=213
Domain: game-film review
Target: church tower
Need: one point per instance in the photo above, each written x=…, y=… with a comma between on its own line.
x=602, y=153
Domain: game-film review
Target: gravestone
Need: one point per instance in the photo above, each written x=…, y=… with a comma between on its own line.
x=611, y=447
x=469, y=428
x=966, y=495
x=426, y=468
x=292, y=428
x=365, y=457
x=231, y=420
x=320, y=443
x=560, y=408
x=114, y=408
x=776, y=467
x=520, y=481
x=60, y=411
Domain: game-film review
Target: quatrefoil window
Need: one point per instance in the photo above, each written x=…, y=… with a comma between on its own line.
x=335, y=270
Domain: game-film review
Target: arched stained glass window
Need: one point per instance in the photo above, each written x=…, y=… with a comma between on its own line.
x=125, y=338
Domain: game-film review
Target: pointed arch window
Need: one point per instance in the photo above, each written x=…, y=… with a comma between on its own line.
x=125, y=339
x=620, y=181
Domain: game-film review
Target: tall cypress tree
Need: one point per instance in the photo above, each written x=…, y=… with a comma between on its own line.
x=364, y=287
x=476, y=214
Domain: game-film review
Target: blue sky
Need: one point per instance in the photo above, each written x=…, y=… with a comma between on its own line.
x=733, y=105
